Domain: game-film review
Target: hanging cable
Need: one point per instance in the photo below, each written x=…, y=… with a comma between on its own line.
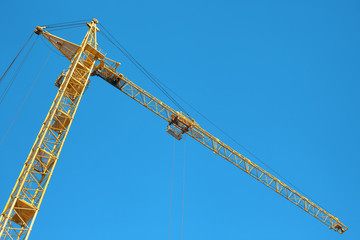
x=183, y=194
x=32, y=86
x=3, y=95
x=17, y=55
x=172, y=184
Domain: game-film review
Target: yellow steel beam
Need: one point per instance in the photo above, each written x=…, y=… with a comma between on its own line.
x=108, y=73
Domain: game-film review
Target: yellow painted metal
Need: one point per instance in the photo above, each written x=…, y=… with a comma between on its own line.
x=180, y=124
x=23, y=205
x=68, y=49
x=20, y=211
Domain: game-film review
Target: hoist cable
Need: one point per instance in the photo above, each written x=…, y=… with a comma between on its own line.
x=183, y=194
x=150, y=76
x=32, y=86
x=13, y=61
x=3, y=95
x=172, y=184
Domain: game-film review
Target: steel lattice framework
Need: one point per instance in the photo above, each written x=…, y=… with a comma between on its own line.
x=24, y=203
x=109, y=74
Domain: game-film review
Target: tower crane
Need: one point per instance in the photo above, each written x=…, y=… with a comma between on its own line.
x=23, y=205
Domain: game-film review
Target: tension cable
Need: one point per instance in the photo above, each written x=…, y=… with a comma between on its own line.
x=27, y=95
x=3, y=95
x=150, y=76
x=13, y=61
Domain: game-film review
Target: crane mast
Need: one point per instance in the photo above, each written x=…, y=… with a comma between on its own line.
x=20, y=211
x=23, y=205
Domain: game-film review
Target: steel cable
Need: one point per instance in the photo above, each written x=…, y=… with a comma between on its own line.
x=183, y=194
x=31, y=88
x=65, y=28
x=150, y=76
x=158, y=82
x=172, y=184
x=13, y=61
x=67, y=23
x=243, y=147
x=3, y=95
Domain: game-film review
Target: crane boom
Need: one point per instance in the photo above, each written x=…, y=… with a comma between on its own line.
x=179, y=124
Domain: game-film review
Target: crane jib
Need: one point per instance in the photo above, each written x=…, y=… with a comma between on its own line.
x=179, y=124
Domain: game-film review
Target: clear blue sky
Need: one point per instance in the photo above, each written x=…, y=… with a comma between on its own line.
x=281, y=77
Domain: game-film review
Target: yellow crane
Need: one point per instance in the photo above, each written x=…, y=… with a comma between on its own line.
x=22, y=207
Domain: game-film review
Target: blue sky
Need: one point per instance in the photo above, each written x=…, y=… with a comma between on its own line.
x=281, y=77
